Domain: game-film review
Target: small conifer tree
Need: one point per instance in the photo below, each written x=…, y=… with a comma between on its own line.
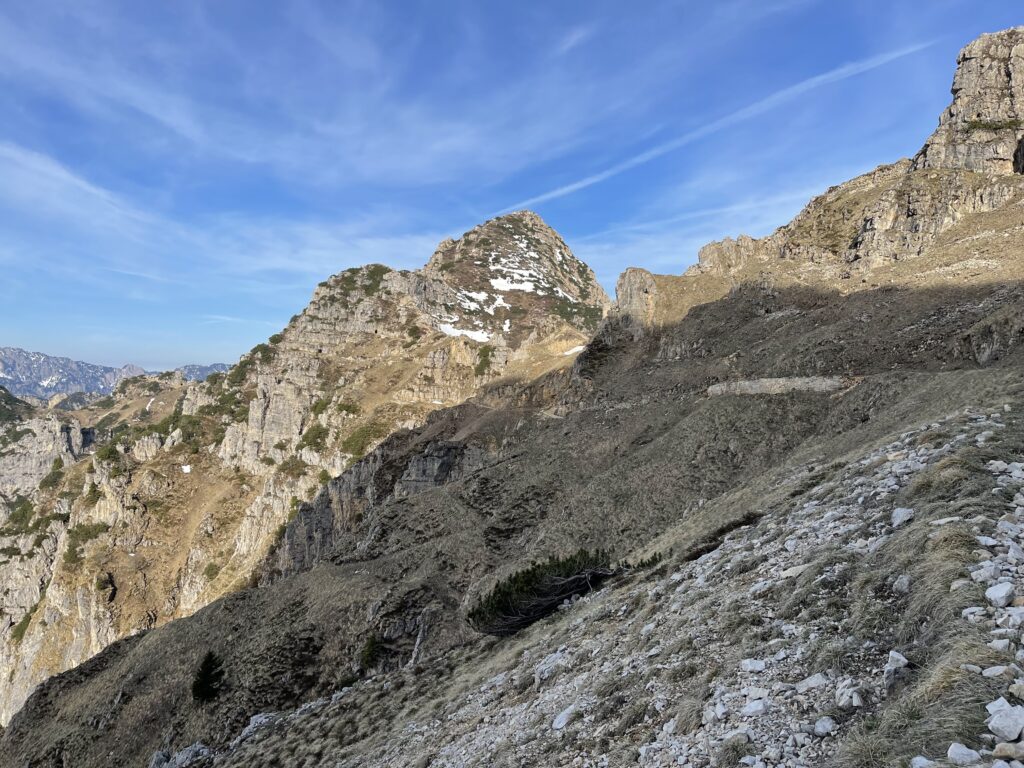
x=209, y=679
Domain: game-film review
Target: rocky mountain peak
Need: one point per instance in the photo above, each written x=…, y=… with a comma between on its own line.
x=519, y=257
x=982, y=129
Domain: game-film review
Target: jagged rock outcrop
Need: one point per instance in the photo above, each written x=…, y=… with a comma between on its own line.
x=982, y=129
x=28, y=450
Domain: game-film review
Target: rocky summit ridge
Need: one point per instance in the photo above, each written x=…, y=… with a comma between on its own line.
x=790, y=481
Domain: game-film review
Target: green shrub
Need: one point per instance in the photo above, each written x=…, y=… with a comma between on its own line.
x=994, y=125
x=536, y=592
x=347, y=406
x=320, y=406
x=209, y=679
x=11, y=408
x=293, y=467
x=277, y=338
x=54, y=476
x=13, y=436
x=108, y=422
x=580, y=315
x=92, y=496
x=18, y=630
x=268, y=460
x=108, y=452
x=105, y=403
x=483, y=360
x=370, y=653
x=314, y=437
x=264, y=352
x=362, y=437
x=237, y=375
x=105, y=583
x=211, y=571
x=374, y=276
x=79, y=536
x=21, y=515
x=324, y=477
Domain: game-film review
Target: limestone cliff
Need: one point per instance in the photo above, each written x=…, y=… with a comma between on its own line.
x=875, y=228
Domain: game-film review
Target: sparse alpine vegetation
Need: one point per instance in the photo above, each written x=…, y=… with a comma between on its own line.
x=535, y=592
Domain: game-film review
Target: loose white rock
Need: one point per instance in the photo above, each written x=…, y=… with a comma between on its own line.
x=564, y=717
x=958, y=754
x=755, y=708
x=901, y=516
x=817, y=680
x=1000, y=595
x=824, y=726
x=1007, y=723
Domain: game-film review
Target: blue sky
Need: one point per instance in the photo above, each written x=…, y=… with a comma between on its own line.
x=175, y=178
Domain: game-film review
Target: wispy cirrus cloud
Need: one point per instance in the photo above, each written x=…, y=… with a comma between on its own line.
x=743, y=114
x=127, y=241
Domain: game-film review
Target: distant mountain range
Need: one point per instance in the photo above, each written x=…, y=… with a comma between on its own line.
x=38, y=375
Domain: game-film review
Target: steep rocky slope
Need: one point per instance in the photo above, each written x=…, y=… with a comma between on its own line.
x=189, y=485
x=805, y=455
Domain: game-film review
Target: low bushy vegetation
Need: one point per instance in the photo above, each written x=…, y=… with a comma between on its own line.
x=209, y=679
x=536, y=592
x=78, y=537
x=92, y=496
x=18, y=630
x=293, y=467
x=483, y=360
x=12, y=436
x=362, y=437
x=11, y=408
x=21, y=515
x=994, y=125
x=54, y=476
x=314, y=437
x=370, y=653
x=577, y=314
x=374, y=275
x=347, y=406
